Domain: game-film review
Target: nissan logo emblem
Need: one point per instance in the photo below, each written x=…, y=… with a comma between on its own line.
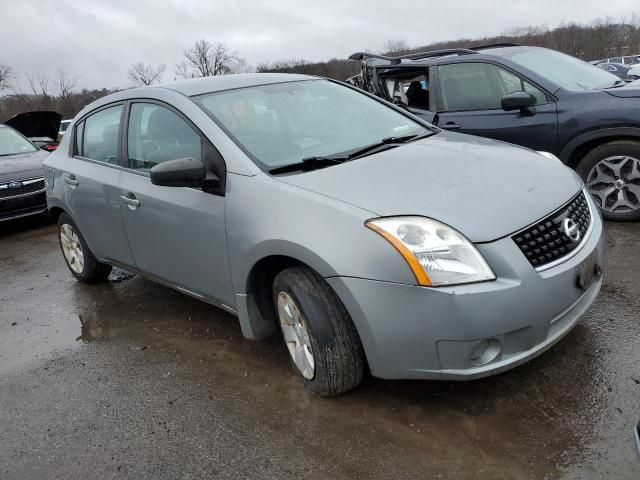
x=571, y=229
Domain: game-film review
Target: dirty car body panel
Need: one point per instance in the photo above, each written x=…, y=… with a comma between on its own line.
x=211, y=244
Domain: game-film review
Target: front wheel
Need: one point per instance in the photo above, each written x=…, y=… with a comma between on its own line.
x=612, y=174
x=322, y=341
x=81, y=262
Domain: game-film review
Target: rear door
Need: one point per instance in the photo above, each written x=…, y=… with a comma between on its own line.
x=177, y=234
x=91, y=184
x=469, y=101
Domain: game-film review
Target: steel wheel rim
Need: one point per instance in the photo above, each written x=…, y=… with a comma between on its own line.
x=614, y=183
x=72, y=248
x=296, y=335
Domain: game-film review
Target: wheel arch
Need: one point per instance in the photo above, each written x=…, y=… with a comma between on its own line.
x=255, y=279
x=577, y=148
x=254, y=302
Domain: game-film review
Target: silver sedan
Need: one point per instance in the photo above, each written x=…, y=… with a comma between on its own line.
x=366, y=236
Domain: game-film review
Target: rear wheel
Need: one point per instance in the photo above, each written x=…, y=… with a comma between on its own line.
x=81, y=262
x=612, y=175
x=322, y=341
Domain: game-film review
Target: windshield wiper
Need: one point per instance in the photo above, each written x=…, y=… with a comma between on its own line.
x=617, y=83
x=314, y=163
x=309, y=163
x=389, y=142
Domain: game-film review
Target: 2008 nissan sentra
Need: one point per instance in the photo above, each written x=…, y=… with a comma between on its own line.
x=366, y=236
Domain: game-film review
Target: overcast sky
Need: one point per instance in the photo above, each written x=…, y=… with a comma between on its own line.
x=97, y=40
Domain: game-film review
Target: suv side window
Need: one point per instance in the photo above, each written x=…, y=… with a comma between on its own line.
x=100, y=136
x=157, y=134
x=480, y=86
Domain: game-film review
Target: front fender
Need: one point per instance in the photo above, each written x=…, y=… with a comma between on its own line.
x=266, y=217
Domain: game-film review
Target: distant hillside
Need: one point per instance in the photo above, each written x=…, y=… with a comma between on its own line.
x=600, y=39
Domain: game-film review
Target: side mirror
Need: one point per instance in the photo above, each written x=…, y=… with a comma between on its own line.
x=517, y=101
x=181, y=172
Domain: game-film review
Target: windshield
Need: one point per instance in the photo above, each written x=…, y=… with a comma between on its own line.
x=565, y=71
x=12, y=143
x=281, y=124
x=64, y=124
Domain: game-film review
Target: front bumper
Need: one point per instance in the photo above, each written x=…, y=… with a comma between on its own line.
x=429, y=333
x=24, y=204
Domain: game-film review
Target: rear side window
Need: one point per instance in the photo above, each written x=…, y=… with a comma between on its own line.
x=100, y=136
x=480, y=86
x=157, y=134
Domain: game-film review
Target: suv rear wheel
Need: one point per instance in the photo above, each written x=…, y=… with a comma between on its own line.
x=612, y=174
x=81, y=262
x=322, y=341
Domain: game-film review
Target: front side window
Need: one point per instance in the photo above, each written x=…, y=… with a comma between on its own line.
x=280, y=124
x=480, y=86
x=12, y=143
x=157, y=134
x=565, y=71
x=100, y=137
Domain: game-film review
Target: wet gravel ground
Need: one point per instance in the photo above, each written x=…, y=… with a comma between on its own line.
x=133, y=380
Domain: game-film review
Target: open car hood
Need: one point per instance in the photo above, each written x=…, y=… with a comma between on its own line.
x=36, y=124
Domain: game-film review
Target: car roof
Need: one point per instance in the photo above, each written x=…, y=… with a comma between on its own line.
x=436, y=57
x=218, y=83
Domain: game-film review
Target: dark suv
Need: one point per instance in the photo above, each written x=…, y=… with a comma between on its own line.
x=534, y=97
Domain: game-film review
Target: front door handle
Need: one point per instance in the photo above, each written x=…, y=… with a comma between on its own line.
x=71, y=180
x=450, y=126
x=130, y=200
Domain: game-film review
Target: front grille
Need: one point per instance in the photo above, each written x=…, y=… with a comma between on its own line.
x=546, y=240
x=7, y=190
x=13, y=207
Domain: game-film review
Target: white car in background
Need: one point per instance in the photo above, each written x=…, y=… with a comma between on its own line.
x=63, y=128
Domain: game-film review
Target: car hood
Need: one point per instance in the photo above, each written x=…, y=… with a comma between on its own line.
x=22, y=166
x=630, y=90
x=483, y=188
x=36, y=124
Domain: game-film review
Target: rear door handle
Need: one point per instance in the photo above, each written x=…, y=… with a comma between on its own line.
x=450, y=126
x=130, y=200
x=71, y=180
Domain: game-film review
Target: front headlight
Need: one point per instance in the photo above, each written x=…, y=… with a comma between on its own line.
x=437, y=254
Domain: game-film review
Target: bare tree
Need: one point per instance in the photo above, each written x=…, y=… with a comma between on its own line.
x=395, y=47
x=206, y=59
x=66, y=84
x=5, y=76
x=39, y=84
x=182, y=70
x=142, y=74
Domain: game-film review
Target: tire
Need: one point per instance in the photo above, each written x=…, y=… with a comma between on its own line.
x=336, y=350
x=79, y=259
x=624, y=157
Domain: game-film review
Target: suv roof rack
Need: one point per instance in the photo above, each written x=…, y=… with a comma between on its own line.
x=495, y=45
x=430, y=53
x=413, y=56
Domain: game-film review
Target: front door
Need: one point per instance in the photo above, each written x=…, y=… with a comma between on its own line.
x=469, y=101
x=176, y=234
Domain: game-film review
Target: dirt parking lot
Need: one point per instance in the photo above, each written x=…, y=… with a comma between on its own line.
x=133, y=380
